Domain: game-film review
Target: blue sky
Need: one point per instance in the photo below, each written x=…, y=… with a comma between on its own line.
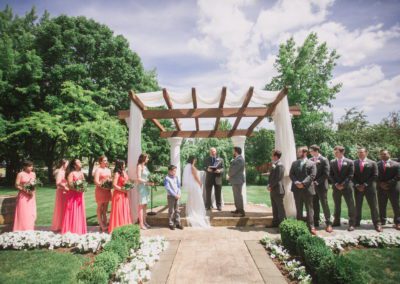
x=234, y=43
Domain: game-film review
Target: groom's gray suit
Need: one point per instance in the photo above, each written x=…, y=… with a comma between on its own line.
x=236, y=178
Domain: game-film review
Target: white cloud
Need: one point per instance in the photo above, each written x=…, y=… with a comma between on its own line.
x=364, y=77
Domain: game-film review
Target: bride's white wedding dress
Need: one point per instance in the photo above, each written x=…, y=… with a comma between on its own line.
x=195, y=209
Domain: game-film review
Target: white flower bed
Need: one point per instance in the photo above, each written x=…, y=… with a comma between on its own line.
x=90, y=242
x=137, y=269
x=376, y=240
x=296, y=270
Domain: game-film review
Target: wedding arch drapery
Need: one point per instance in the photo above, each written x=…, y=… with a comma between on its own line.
x=284, y=138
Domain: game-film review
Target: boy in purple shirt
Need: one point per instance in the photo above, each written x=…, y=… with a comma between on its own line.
x=172, y=185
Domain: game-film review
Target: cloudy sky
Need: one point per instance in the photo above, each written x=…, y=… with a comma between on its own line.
x=234, y=43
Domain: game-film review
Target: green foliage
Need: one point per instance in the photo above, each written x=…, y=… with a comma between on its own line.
x=314, y=255
x=130, y=234
x=306, y=241
x=338, y=269
x=118, y=247
x=291, y=230
x=92, y=275
x=107, y=261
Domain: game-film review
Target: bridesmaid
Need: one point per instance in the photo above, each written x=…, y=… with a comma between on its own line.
x=142, y=174
x=25, y=212
x=102, y=195
x=74, y=220
x=61, y=187
x=120, y=209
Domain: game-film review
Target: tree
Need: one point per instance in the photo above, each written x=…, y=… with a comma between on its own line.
x=307, y=72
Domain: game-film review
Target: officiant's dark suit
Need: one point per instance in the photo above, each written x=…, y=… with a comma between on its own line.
x=214, y=179
x=304, y=171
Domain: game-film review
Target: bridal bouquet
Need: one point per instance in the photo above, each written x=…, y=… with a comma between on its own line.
x=79, y=185
x=107, y=184
x=32, y=185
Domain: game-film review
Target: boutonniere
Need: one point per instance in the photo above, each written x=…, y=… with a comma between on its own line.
x=318, y=162
x=273, y=166
x=366, y=163
x=344, y=163
x=387, y=165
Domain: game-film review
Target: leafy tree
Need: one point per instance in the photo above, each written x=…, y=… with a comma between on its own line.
x=307, y=72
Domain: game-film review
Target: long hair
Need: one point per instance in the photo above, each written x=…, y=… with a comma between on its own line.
x=191, y=159
x=119, y=166
x=142, y=158
x=59, y=165
x=71, y=167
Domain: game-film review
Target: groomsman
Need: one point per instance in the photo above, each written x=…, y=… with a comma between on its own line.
x=365, y=176
x=341, y=175
x=237, y=179
x=388, y=187
x=302, y=173
x=276, y=189
x=321, y=187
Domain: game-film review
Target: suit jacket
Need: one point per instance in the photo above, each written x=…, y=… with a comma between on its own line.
x=211, y=176
x=345, y=175
x=276, y=176
x=391, y=175
x=369, y=175
x=304, y=174
x=322, y=176
x=236, y=170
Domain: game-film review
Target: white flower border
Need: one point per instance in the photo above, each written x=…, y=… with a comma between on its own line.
x=137, y=269
x=295, y=268
x=24, y=240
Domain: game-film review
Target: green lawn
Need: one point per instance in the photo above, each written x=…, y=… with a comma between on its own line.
x=255, y=194
x=379, y=265
x=39, y=266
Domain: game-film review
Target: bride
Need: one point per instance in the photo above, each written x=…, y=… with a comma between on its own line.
x=195, y=209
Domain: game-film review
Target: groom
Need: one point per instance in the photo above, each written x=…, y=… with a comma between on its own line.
x=214, y=167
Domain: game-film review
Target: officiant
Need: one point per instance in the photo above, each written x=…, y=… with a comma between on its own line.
x=214, y=168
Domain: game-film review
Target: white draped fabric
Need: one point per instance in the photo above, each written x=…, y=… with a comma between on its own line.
x=284, y=141
x=284, y=138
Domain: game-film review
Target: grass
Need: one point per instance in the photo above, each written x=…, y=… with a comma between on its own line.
x=39, y=266
x=382, y=264
x=255, y=194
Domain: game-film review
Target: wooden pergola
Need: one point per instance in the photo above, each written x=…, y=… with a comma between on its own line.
x=196, y=113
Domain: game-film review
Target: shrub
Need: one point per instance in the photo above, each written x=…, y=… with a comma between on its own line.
x=291, y=230
x=314, y=255
x=306, y=241
x=338, y=269
x=107, y=261
x=118, y=247
x=92, y=275
x=129, y=234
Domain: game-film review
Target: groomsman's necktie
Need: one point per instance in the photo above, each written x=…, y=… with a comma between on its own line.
x=339, y=163
x=361, y=166
x=384, y=166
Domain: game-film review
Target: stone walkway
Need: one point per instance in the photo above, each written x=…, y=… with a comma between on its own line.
x=216, y=255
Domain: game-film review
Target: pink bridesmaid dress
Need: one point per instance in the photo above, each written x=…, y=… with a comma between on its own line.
x=59, y=205
x=120, y=209
x=103, y=195
x=25, y=211
x=74, y=220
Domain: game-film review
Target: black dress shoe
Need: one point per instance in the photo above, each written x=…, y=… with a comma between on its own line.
x=171, y=227
x=378, y=228
x=240, y=214
x=235, y=212
x=179, y=226
x=219, y=208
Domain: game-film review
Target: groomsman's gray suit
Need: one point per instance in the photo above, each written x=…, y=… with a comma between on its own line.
x=304, y=172
x=277, y=192
x=213, y=179
x=343, y=176
x=321, y=189
x=389, y=175
x=366, y=177
x=236, y=178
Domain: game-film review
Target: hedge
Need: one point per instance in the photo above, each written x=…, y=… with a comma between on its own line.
x=129, y=234
x=118, y=247
x=92, y=275
x=108, y=261
x=338, y=269
x=291, y=230
x=306, y=241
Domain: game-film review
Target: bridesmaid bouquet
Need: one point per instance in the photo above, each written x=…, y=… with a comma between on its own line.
x=79, y=185
x=157, y=178
x=32, y=185
x=128, y=186
x=107, y=184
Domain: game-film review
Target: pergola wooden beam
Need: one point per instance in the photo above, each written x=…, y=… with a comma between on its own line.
x=169, y=105
x=244, y=106
x=204, y=133
x=270, y=110
x=194, y=99
x=135, y=99
x=206, y=112
x=220, y=106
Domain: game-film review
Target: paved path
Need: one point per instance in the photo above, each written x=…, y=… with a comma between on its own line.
x=216, y=255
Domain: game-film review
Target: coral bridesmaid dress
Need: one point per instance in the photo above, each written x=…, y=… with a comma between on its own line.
x=59, y=205
x=25, y=211
x=74, y=220
x=120, y=209
x=103, y=195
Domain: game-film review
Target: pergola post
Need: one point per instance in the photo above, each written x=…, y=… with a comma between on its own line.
x=175, y=153
x=135, y=124
x=238, y=141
